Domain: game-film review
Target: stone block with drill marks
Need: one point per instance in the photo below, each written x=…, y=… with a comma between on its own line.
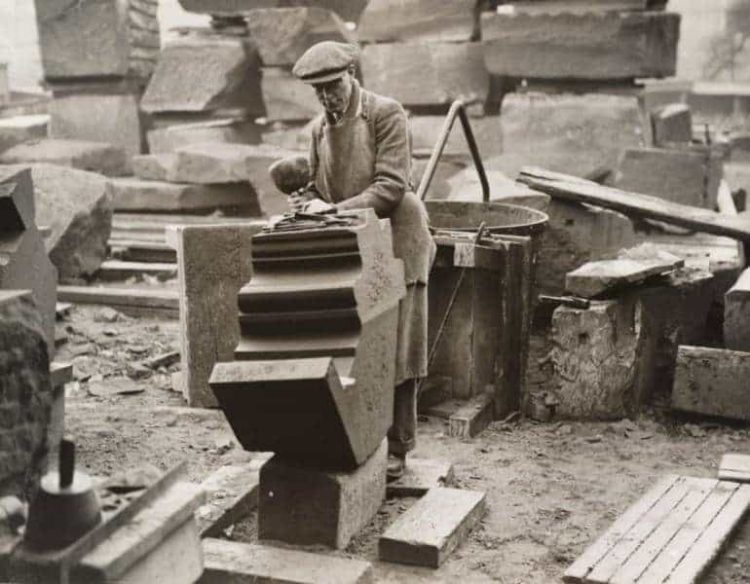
x=205, y=72
x=24, y=263
x=88, y=38
x=314, y=369
x=592, y=45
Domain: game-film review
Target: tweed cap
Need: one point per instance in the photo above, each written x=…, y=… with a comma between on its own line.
x=325, y=61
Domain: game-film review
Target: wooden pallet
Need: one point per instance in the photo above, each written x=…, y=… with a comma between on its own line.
x=671, y=535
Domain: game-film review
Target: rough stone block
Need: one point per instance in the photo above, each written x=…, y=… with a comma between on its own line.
x=435, y=526
x=76, y=206
x=672, y=124
x=281, y=35
x=92, y=156
x=418, y=20
x=20, y=129
x=465, y=186
x=574, y=134
x=289, y=135
x=687, y=176
x=27, y=394
x=591, y=45
x=348, y=10
x=98, y=38
x=712, y=382
x=426, y=74
x=131, y=194
x=447, y=169
x=168, y=137
x=303, y=506
x=205, y=72
x=109, y=118
x=737, y=314
x=25, y=264
x=487, y=131
x=244, y=563
x=609, y=359
x=214, y=262
x=577, y=234
x=285, y=98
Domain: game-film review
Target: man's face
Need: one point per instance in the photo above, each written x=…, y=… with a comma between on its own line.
x=334, y=95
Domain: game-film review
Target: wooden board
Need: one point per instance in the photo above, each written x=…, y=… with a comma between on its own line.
x=121, y=297
x=672, y=534
x=428, y=532
x=594, y=278
x=735, y=467
x=712, y=382
x=121, y=270
x=570, y=188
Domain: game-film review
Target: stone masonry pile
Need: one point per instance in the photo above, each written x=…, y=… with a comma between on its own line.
x=97, y=58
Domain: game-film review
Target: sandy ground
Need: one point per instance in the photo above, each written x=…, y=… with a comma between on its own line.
x=551, y=488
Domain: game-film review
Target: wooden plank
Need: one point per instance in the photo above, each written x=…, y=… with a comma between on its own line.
x=697, y=492
x=122, y=270
x=594, y=278
x=735, y=467
x=586, y=562
x=428, y=532
x=634, y=538
x=119, y=297
x=712, y=382
x=569, y=188
x=690, y=531
x=707, y=547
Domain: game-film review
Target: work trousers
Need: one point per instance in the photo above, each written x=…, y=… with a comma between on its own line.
x=402, y=436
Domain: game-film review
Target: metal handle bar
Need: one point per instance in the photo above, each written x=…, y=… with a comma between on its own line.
x=458, y=108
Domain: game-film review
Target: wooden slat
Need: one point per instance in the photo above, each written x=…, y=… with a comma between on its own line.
x=570, y=188
x=709, y=544
x=595, y=552
x=652, y=546
x=633, y=539
x=136, y=297
x=121, y=270
x=690, y=531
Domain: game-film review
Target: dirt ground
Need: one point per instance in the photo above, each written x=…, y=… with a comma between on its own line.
x=551, y=487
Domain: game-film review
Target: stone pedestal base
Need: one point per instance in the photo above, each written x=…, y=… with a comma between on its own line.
x=306, y=506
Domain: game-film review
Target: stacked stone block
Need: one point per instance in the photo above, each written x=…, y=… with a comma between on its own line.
x=97, y=56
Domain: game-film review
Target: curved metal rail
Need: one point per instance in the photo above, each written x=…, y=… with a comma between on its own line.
x=458, y=109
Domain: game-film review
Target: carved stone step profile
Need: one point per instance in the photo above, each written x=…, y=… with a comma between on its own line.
x=314, y=368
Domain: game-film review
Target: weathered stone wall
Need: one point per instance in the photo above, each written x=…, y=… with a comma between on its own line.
x=25, y=394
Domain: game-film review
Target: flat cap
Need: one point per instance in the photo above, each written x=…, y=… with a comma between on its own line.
x=325, y=61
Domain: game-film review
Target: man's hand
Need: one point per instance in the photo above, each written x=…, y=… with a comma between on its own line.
x=298, y=199
x=318, y=206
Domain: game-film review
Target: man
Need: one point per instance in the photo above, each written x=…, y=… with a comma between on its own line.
x=360, y=157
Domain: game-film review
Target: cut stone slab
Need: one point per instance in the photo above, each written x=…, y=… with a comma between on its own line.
x=689, y=175
x=304, y=506
x=575, y=134
x=672, y=124
x=283, y=34
x=103, y=38
x=592, y=45
x=24, y=263
x=735, y=467
x=421, y=475
x=131, y=194
x=289, y=135
x=465, y=186
x=426, y=74
x=418, y=20
x=154, y=167
x=435, y=526
x=595, y=278
x=76, y=206
x=472, y=417
x=20, y=129
x=166, y=137
x=348, y=10
x=92, y=156
x=487, y=132
x=214, y=262
x=204, y=72
x=27, y=393
x=285, y=98
x=244, y=563
x=231, y=495
x=577, y=234
x=112, y=118
x=737, y=314
x=712, y=382
x=576, y=6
